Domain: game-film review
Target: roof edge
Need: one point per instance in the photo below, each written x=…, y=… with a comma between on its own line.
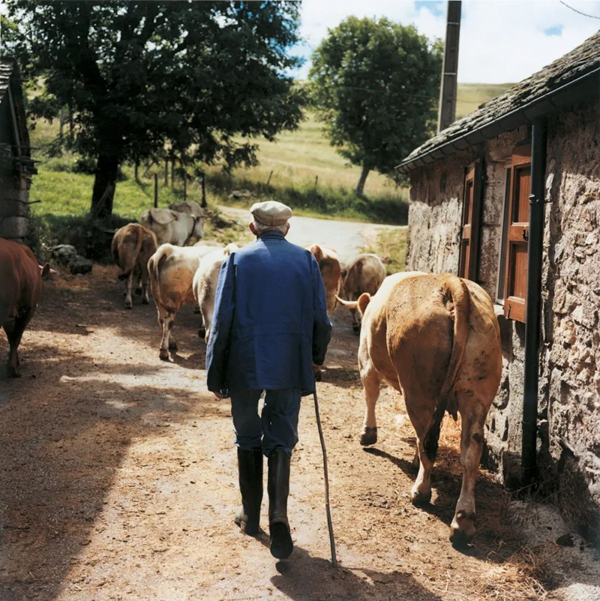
x=549, y=102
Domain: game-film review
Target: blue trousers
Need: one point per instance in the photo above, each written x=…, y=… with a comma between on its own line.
x=277, y=426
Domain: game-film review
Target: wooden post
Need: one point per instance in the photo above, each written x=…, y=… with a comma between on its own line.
x=270, y=176
x=184, y=187
x=203, y=205
x=137, y=171
x=316, y=181
x=166, y=171
x=172, y=172
x=61, y=126
x=156, y=190
x=447, y=112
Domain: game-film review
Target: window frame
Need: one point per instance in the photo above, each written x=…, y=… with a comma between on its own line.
x=517, y=235
x=468, y=263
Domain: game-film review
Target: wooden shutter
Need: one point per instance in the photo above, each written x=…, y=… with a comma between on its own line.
x=515, y=289
x=469, y=242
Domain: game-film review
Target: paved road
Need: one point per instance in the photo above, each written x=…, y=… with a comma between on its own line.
x=346, y=237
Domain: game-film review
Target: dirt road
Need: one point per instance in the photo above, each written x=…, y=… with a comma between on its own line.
x=346, y=237
x=119, y=479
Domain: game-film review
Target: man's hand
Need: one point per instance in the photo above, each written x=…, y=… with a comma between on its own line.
x=218, y=395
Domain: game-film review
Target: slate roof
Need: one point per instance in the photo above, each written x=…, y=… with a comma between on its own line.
x=532, y=97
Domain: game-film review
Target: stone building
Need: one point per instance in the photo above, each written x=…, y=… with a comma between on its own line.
x=16, y=166
x=509, y=196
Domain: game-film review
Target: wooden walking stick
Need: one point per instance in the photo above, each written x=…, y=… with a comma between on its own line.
x=329, y=522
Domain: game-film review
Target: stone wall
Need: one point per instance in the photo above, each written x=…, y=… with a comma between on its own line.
x=569, y=409
x=570, y=359
x=434, y=216
x=14, y=210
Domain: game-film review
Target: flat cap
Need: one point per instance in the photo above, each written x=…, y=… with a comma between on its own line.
x=270, y=212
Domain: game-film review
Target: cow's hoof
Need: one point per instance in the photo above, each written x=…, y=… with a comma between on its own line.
x=196, y=309
x=13, y=373
x=172, y=346
x=368, y=436
x=129, y=305
x=202, y=333
x=164, y=354
x=419, y=499
x=462, y=530
x=145, y=300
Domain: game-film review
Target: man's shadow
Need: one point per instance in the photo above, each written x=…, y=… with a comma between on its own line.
x=303, y=577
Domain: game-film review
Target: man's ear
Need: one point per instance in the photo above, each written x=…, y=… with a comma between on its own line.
x=252, y=228
x=287, y=229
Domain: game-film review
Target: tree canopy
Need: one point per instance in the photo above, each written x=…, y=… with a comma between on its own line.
x=376, y=86
x=142, y=76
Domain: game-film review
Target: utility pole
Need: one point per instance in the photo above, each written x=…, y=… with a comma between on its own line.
x=447, y=113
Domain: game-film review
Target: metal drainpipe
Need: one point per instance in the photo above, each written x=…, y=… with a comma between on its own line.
x=533, y=306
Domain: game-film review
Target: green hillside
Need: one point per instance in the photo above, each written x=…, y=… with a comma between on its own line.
x=301, y=169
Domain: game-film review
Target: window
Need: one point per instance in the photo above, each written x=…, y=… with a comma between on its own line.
x=517, y=234
x=469, y=242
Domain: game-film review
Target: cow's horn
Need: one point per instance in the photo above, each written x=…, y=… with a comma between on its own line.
x=347, y=304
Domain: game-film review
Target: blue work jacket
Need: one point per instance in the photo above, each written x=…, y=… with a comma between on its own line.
x=270, y=321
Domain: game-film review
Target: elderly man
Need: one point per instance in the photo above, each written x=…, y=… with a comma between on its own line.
x=270, y=326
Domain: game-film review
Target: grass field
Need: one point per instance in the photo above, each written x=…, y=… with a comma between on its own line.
x=300, y=168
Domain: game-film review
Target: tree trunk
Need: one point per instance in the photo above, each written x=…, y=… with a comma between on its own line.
x=104, y=186
x=360, y=188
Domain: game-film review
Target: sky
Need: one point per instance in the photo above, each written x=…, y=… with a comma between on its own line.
x=501, y=41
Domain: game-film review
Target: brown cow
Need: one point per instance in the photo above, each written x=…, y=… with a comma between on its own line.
x=331, y=274
x=434, y=338
x=132, y=246
x=364, y=273
x=21, y=278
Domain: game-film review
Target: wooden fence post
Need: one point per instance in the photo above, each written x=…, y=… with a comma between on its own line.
x=316, y=181
x=167, y=171
x=270, y=176
x=184, y=187
x=156, y=190
x=203, y=205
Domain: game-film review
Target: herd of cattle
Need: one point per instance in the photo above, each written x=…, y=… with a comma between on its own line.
x=433, y=338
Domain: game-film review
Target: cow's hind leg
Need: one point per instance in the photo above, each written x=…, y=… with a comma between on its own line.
x=371, y=383
x=420, y=493
x=128, y=286
x=14, y=332
x=166, y=319
x=145, y=286
x=473, y=417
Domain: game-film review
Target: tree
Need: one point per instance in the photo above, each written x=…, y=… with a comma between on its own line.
x=140, y=77
x=376, y=87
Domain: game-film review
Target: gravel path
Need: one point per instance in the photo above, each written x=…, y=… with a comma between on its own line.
x=346, y=237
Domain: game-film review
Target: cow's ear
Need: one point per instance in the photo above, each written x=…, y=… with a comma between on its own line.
x=315, y=249
x=45, y=271
x=363, y=302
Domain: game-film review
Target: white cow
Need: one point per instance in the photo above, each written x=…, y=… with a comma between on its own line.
x=172, y=227
x=190, y=207
x=172, y=270
x=205, y=285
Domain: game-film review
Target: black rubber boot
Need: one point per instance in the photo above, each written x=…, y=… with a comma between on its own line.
x=279, y=488
x=250, y=466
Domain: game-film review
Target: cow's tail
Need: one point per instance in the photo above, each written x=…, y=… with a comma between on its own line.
x=455, y=295
x=131, y=259
x=154, y=266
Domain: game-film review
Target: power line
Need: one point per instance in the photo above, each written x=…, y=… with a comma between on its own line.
x=578, y=11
